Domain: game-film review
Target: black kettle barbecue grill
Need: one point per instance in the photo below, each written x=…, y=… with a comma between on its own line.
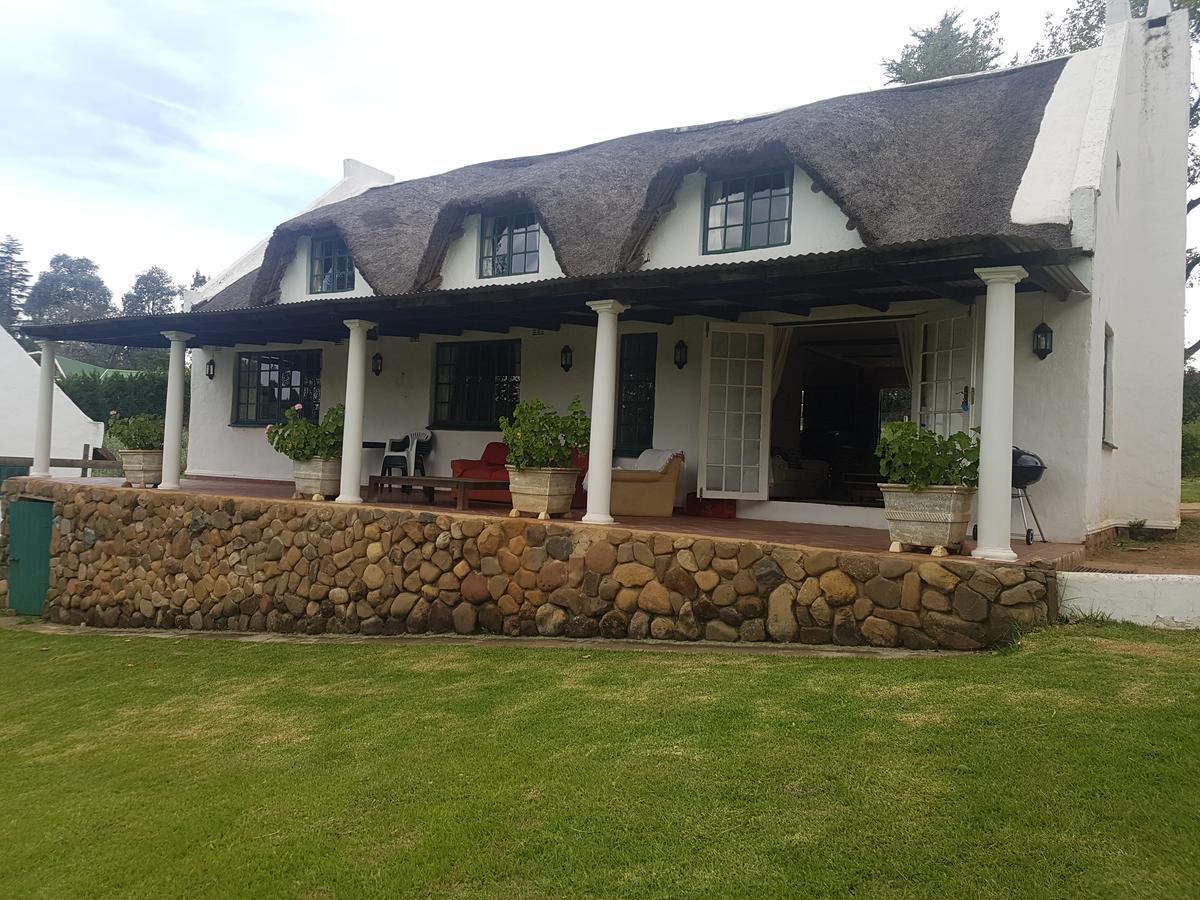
x=1027, y=469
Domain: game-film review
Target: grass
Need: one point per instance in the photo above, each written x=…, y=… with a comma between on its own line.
x=147, y=768
x=1191, y=490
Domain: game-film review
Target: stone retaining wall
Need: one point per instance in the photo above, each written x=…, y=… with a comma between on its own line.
x=134, y=558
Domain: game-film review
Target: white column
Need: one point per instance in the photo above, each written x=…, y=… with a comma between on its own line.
x=994, y=512
x=356, y=388
x=173, y=429
x=604, y=404
x=45, y=411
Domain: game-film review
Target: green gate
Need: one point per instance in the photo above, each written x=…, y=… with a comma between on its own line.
x=29, y=525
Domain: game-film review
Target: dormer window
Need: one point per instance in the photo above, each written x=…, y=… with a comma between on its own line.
x=332, y=267
x=509, y=245
x=748, y=212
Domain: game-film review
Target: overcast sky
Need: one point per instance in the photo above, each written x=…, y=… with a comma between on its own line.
x=180, y=132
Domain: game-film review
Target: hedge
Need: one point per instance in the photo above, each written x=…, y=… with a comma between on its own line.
x=143, y=394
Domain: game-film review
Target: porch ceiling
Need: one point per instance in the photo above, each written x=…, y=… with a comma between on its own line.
x=873, y=277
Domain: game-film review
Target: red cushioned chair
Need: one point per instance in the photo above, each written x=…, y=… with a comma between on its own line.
x=491, y=466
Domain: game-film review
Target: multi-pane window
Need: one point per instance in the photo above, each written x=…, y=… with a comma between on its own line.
x=635, y=394
x=268, y=383
x=748, y=212
x=475, y=383
x=509, y=245
x=332, y=266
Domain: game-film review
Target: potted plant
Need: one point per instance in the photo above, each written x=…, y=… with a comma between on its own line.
x=540, y=447
x=139, y=442
x=315, y=450
x=931, y=482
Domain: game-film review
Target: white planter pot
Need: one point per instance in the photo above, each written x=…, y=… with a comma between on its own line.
x=317, y=478
x=936, y=517
x=143, y=468
x=545, y=492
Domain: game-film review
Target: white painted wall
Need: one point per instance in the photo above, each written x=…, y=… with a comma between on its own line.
x=818, y=226
x=1137, y=285
x=1166, y=601
x=460, y=268
x=19, y=375
x=294, y=284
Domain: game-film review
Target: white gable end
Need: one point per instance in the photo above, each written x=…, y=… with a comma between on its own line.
x=818, y=226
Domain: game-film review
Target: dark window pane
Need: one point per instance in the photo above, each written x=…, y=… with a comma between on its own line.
x=477, y=383
x=635, y=393
x=778, y=233
x=759, y=210
x=758, y=235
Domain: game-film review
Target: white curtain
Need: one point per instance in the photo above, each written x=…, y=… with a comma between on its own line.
x=783, y=343
x=906, y=332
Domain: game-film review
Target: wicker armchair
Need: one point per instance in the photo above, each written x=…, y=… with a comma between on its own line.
x=644, y=490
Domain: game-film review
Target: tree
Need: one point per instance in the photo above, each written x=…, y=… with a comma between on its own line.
x=1081, y=27
x=946, y=49
x=198, y=281
x=153, y=293
x=14, y=280
x=71, y=289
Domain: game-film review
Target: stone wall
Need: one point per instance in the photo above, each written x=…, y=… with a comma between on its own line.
x=133, y=558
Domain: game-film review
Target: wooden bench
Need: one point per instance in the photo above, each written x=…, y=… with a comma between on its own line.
x=461, y=487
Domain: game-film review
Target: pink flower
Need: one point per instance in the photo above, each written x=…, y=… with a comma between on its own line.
x=112, y=412
x=298, y=407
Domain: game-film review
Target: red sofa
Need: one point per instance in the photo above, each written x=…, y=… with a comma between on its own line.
x=491, y=467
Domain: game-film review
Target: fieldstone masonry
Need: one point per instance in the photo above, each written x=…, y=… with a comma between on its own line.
x=136, y=558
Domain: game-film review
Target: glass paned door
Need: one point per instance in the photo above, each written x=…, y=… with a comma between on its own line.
x=944, y=400
x=736, y=428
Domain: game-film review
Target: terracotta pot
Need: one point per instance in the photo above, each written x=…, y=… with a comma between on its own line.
x=545, y=492
x=936, y=517
x=317, y=478
x=143, y=468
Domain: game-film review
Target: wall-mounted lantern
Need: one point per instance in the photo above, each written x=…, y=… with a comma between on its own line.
x=1043, y=341
x=680, y=355
x=210, y=369
x=566, y=358
x=377, y=364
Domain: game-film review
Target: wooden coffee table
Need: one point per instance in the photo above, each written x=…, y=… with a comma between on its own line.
x=431, y=483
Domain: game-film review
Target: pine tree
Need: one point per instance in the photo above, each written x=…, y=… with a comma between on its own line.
x=14, y=280
x=198, y=281
x=948, y=48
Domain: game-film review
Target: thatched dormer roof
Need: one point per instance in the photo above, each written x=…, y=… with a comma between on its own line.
x=924, y=162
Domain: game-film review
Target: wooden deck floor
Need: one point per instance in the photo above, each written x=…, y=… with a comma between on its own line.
x=822, y=536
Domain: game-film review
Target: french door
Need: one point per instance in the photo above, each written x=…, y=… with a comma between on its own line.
x=735, y=427
x=944, y=374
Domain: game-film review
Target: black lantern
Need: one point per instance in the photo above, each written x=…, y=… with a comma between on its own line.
x=566, y=358
x=680, y=355
x=210, y=369
x=1043, y=341
x=377, y=364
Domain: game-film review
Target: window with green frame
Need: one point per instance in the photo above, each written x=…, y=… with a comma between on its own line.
x=475, y=383
x=268, y=383
x=332, y=267
x=747, y=212
x=509, y=245
x=635, y=394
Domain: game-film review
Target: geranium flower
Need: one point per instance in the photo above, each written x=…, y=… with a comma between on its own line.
x=298, y=407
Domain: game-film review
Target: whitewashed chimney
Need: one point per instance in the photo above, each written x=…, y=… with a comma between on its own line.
x=1117, y=11
x=1158, y=8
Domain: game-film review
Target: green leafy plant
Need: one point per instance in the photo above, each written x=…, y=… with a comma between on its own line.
x=540, y=438
x=136, y=432
x=918, y=457
x=300, y=439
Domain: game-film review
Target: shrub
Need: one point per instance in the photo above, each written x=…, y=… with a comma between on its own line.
x=918, y=457
x=300, y=439
x=134, y=395
x=1191, y=449
x=136, y=432
x=539, y=438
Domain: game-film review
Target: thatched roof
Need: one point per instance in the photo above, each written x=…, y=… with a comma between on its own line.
x=930, y=161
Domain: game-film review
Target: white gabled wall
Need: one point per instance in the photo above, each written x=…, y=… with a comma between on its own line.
x=818, y=226
x=1137, y=279
x=460, y=268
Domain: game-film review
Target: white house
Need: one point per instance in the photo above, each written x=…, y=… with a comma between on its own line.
x=18, y=410
x=760, y=294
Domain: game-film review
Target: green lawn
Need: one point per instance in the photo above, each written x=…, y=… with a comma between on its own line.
x=151, y=768
x=1191, y=490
